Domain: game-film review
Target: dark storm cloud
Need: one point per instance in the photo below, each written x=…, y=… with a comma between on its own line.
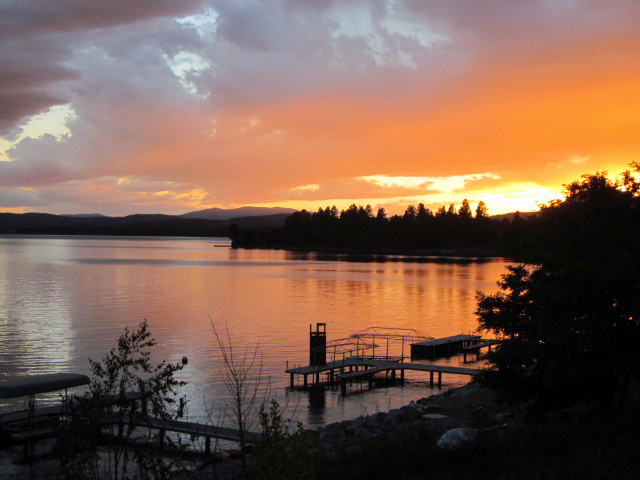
x=37, y=40
x=30, y=70
x=27, y=17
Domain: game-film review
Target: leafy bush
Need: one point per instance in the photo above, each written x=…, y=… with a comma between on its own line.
x=284, y=452
x=104, y=439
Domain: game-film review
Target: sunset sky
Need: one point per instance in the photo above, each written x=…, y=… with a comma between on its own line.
x=166, y=106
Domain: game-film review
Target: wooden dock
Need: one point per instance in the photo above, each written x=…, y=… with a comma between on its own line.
x=193, y=429
x=443, y=347
x=470, y=349
x=49, y=421
x=349, y=369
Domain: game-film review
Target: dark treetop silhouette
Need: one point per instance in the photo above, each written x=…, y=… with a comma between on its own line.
x=570, y=313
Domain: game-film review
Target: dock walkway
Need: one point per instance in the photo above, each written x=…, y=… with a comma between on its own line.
x=337, y=371
x=194, y=429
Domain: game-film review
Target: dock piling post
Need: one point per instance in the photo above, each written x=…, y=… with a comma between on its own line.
x=291, y=380
x=431, y=379
x=343, y=387
x=161, y=433
x=305, y=380
x=439, y=379
x=207, y=446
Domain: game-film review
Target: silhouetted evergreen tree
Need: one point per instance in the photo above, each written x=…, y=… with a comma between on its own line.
x=481, y=210
x=464, y=212
x=298, y=228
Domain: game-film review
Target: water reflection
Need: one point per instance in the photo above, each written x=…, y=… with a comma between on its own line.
x=295, y=255
x=64, y=299
x=317, y=403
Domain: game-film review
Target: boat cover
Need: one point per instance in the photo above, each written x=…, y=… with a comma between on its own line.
x=33, y=384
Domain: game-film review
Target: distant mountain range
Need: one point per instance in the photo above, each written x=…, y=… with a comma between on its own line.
x=82, y=215
x=210, y=222
x=226, y=214
x=510, y=216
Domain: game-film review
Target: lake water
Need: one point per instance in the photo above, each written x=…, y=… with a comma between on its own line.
x=65, y=299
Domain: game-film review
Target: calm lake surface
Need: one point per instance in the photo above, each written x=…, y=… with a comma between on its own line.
x=65, y=299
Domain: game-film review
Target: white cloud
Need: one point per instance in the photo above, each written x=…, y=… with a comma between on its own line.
x=391, y=35
x=253, y=122
x=313, y=187
x=185, y=65
x=124, y=181
x=578, y=160
x=213, y=131
x=440, y=184
x=205, y=23
x=54, y=122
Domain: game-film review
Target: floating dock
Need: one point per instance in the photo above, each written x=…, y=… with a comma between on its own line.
x=444, y=347
x=475, y=349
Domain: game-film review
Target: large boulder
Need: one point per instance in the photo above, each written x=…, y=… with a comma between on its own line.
x=410, y=413
x=378, y=417
x=455, y=437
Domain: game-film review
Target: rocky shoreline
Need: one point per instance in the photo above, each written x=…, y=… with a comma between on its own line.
x=437, y=422
x=470, y=407
x=449, y=419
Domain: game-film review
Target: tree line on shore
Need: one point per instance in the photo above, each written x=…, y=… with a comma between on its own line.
x=418, y=229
